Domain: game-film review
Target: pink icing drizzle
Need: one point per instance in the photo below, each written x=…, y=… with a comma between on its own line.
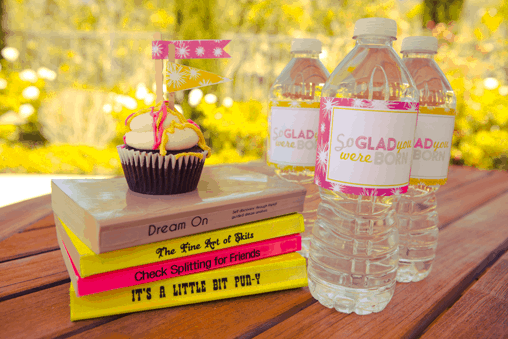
x=192, y=122
x=129, y=118
x=158, y=130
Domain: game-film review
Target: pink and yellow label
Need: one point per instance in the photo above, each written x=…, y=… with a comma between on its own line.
x=293, y=134
x=364, y=147
x=433, y=142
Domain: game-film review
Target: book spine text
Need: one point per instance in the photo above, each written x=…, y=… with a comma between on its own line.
x=204, y=221
x=187, y=265
x=266, y=275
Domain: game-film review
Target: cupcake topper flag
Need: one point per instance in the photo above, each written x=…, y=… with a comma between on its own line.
x=180, y=77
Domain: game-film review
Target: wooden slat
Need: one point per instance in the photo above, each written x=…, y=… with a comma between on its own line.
x=469, y=196
x=48, y=221
x=186, y=321
x=31, y=273
x=482, y=312
x=228, y=318
x=16, y=217
x=43, y=314
x=460, y=175
x=28, y=243
x=465, y=249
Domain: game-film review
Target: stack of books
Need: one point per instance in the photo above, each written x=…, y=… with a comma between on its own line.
x=236, y=235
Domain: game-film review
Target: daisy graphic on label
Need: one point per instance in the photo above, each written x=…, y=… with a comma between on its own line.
x=175, y=75
x=336, y=187
x=294, y=104
x=194, y=73
x=156, y=48
x=322, y=157
x=200, y=51
x=357, y=103
x=182, y=50
x=396, y=191
x=371, y=192
x=205, y=82
x=327, y=105
x=411, y=106
x=217, y=51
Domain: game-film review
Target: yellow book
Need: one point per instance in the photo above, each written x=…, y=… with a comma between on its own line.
x=88, y=263
x=260, y=276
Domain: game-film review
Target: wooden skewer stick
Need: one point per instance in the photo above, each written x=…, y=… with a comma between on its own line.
x=158, y=73
x=171, y=58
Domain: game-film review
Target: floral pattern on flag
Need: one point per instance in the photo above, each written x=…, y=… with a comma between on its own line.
x=180, y=77
x=323, y=146
x=191, y=49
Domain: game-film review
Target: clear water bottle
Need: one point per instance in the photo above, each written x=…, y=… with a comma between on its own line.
x=293, y=124
x=416, y=209
x=368, y=115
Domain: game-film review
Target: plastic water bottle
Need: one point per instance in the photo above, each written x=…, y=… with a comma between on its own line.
x=416, y=209
x=368, y=116
x=293, y=123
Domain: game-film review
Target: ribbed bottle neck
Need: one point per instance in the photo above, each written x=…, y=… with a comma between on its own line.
x=374, y=40
x=305, y=55
x=418, y=55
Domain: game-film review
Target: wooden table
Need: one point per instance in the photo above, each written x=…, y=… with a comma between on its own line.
x=466, y=294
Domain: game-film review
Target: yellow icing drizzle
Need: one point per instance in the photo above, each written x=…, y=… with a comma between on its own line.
x=198, y=155
x=183, y=124
x=171, y=129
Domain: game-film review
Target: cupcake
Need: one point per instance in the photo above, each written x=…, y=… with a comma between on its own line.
x=163, y=153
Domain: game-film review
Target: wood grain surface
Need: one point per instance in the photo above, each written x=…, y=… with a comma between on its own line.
x=482, y=312
x=465, y=295
x=464, y=250
x=16, y=217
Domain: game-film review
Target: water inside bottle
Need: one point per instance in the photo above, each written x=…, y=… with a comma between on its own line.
x=354, y=250
x=300, y=85
x=416, y=209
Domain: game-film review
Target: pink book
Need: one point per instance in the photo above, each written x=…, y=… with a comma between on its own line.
x=181, y=266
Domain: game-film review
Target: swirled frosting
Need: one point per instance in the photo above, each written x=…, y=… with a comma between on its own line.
x=163, y=129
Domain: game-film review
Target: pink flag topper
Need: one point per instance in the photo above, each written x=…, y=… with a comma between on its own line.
x=191, y=49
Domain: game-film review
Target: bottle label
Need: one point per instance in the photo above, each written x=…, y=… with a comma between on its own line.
x=292, y=136
x=365, y=146
x=432, y=146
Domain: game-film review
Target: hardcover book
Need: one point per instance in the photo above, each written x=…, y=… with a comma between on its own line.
x=88, y=263
x=180, y=266
x=106, y=216
x=266, y=275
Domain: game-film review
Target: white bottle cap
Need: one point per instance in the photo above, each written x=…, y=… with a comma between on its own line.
x=375, y=26
x=426, y=44
x=302, y=45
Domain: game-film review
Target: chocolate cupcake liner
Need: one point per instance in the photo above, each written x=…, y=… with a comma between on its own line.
x=152, y=173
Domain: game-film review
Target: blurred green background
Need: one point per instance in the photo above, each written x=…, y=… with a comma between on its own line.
x=73, y=70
